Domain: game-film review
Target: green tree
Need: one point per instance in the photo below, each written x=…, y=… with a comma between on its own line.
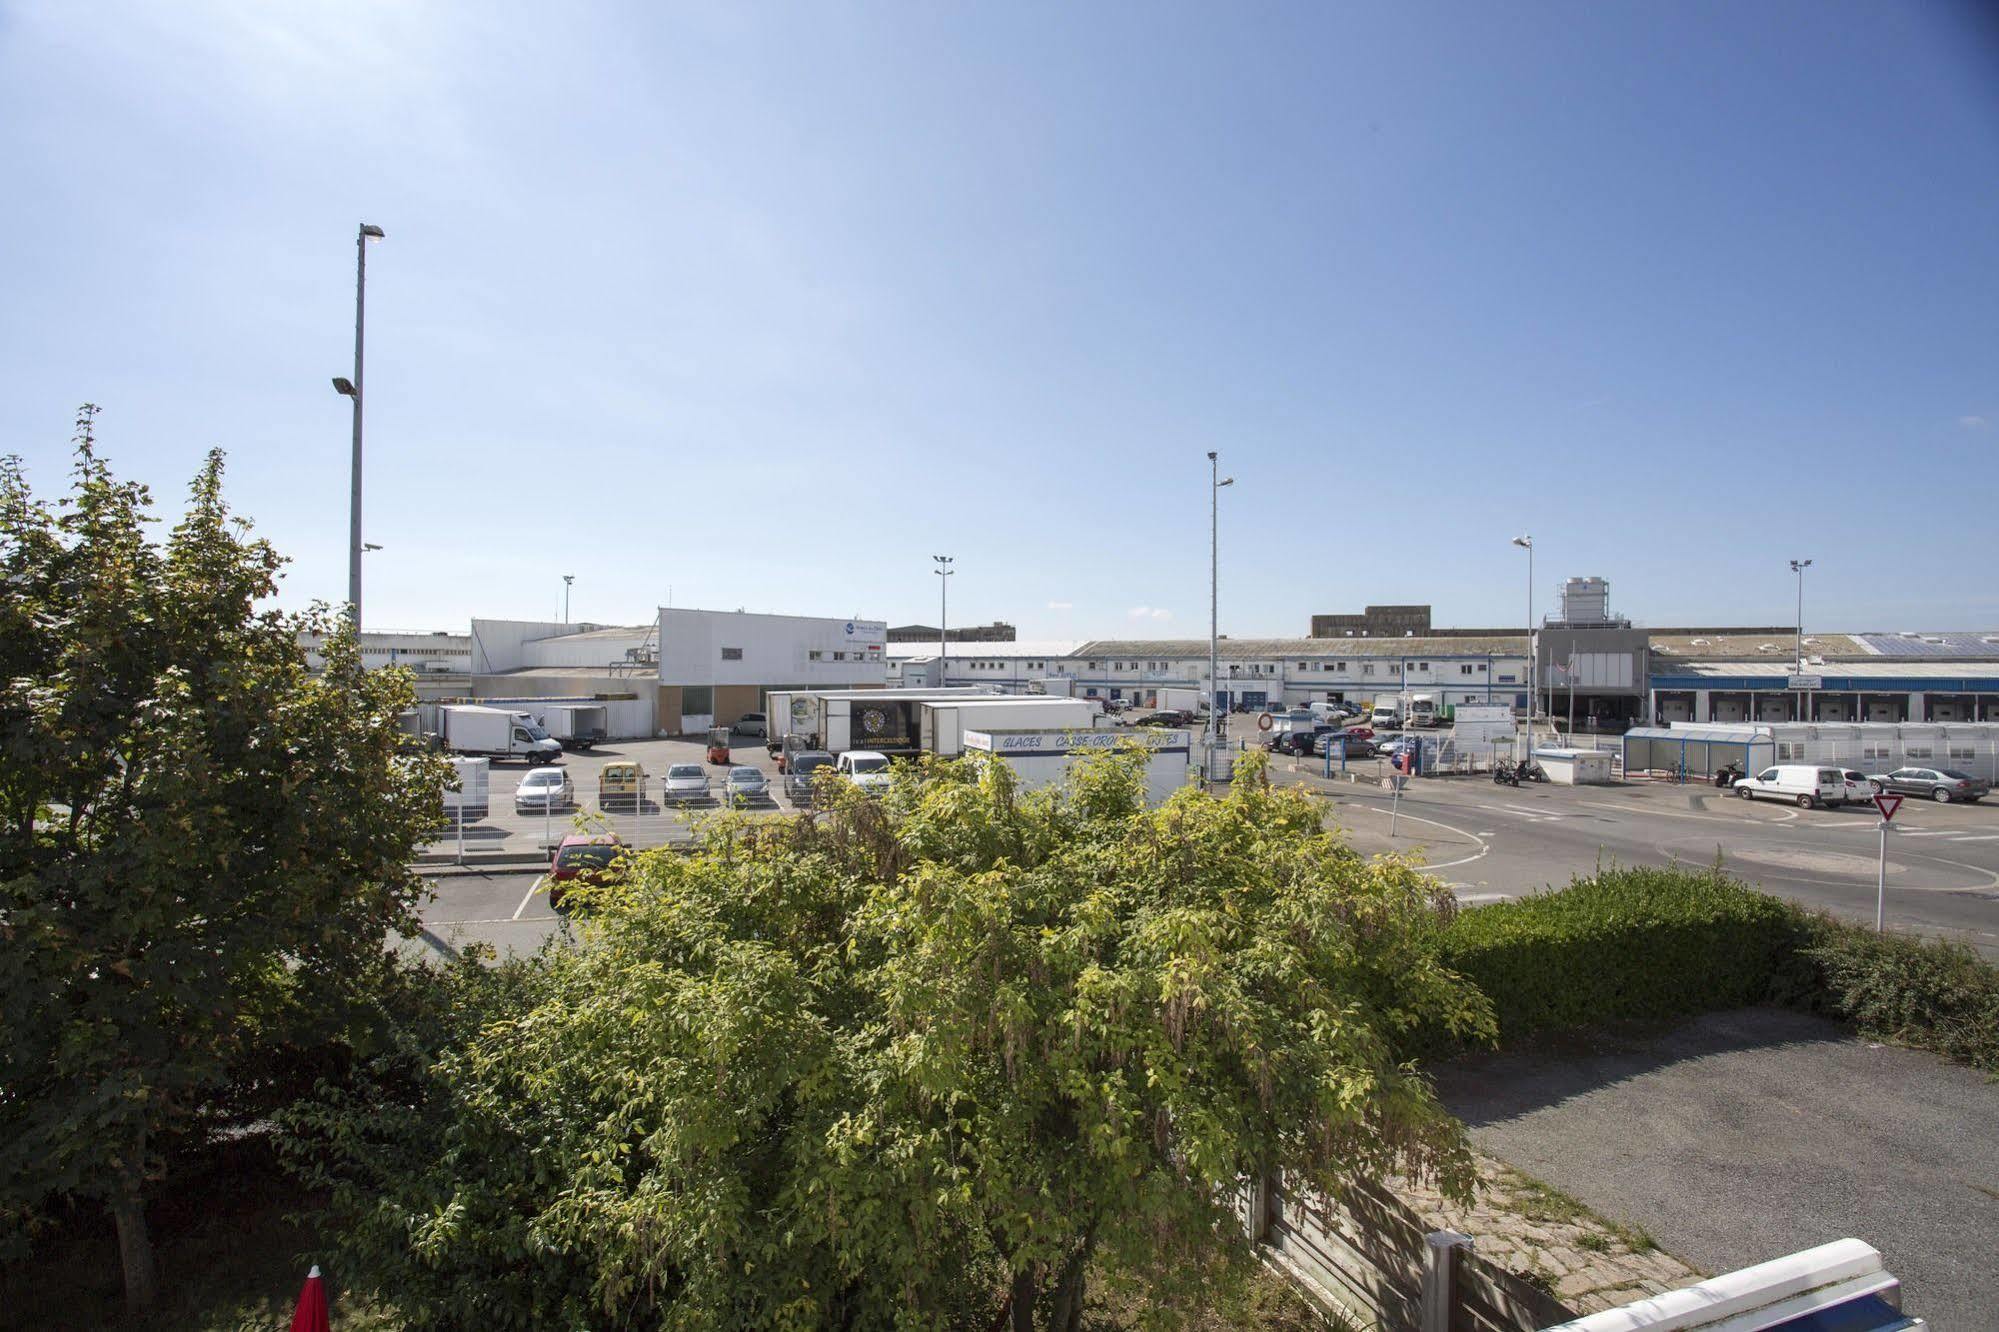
x=907, y=1061
x=202, y=846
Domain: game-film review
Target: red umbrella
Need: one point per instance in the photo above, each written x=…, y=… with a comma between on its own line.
x=311, y=1314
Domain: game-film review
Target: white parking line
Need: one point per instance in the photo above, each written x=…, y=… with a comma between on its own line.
x=533, y=888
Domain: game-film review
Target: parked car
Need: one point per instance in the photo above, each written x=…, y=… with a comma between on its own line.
x=593, y=858
x=684, y=782
x=1860, y=788
x=1804, y=784
x=1356, y=745
x=752, y=723
x=621, y=782
x=1360, y=733
x=747, y=786
x=1942, y=785
x=544, y=789
x=865, y=769
x=802, y=775
x=1165, y=718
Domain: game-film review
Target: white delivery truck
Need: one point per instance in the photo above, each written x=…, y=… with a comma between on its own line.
x=496, y=733
x=1422, y=710
x=942, y=723
x=467, y=793
x=1177, y=699
x=1044, y=758
x=577, y=725
x=1387, y=714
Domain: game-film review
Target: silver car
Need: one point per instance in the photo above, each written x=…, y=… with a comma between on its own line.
x=685, y=782
x=1942, y=785
x=747, y=786
x=544, y=789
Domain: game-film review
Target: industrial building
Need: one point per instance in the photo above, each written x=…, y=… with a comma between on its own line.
x=685, y=671
x=439, y=659
x=999, y=631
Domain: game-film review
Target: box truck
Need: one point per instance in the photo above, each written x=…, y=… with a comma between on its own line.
x=842, y=719
x=1422, y=710
x=1178, y=699
x=496, y=733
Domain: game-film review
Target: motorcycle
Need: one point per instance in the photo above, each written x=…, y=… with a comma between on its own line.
x=1727, y=775
x=1531, y=771
x=1504, y=773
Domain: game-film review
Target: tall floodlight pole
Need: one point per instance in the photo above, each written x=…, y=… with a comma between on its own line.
x=1215, y=483
x=1798, y=567
x=352, y=389
x=567, y=579
x=943, y=572
x=1533, y=642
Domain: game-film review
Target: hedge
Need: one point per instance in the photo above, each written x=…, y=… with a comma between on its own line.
x=1624, y=943
x=1663, y=943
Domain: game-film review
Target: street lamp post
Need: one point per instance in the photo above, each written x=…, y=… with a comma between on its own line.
x=1215, y=483
x=943, y=572
x=353, y=389
x=1798, y=567
x=1533, y=640
x=567, y=579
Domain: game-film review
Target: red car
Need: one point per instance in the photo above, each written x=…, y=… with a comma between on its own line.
x=1361, y=732
x=593, y=858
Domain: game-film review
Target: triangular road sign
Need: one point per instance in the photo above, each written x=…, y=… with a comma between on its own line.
x=1887, y=804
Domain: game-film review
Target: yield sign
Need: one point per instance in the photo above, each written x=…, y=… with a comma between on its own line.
x=1887, y=804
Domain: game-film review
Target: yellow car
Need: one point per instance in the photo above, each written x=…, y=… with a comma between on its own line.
x=622, y=782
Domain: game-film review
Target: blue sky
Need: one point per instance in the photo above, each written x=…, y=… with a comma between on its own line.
x=766, y=304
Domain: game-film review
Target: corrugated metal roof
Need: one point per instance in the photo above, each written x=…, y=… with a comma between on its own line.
x=1272, y=649
x=1751, y=647
x=1947, y=644
x=616, y=631
x=1037, y=648
x=1869, y=669
x=645, y=672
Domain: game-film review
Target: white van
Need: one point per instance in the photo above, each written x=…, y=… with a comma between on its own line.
x=865, y=769
x=1387, y=715
x=1804, y=784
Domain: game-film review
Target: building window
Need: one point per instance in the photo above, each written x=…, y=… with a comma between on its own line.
x=1464, y=670
x=1420, y=666
x=1367, y=669
x=1304, y=666
x=1507, y=679
x=1919, y=751
x=1874, y=749
x=1963, y=753
x=732, y=654
x=814, y=655
x=839, y=656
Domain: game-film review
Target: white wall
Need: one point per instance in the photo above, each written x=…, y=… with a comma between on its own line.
x=498, y=645
x=594, y=650
x=774, y=649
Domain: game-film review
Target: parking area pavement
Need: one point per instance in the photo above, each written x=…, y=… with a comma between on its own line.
x=1493, y=842
x=1742, y=1136
x=516, y=836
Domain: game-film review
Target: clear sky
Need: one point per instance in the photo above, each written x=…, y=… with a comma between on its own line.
x=766, y=304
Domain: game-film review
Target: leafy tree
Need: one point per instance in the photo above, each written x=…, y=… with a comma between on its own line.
x=201, y=843
x=905, y=1063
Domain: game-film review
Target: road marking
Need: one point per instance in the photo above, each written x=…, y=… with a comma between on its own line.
x=1981, y=837
x=1448, y=864
x=1746, y=821
x=1535, y=815
x=533, y=888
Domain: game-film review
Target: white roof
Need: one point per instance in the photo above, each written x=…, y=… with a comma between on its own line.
x=1037, y=648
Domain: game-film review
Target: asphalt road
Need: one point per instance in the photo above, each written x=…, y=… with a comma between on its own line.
x=500, y=907
x=1740, y=1137
x=1491, y=842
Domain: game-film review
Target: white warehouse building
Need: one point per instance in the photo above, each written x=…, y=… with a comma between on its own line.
x=683, y=672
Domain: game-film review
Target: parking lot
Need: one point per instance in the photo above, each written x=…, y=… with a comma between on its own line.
x=505, y=834
x=1488, y=842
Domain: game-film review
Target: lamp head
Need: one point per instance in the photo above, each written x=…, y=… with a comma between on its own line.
x=343, y=386
x=370, y=231
x=1225, y=481
x=1524, y=542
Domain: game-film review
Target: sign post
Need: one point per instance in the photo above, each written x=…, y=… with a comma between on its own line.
x=1887, y=804
x=1396, y=782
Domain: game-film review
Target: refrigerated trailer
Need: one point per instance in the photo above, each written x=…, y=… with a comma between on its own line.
x=837, y=720
x=942, y=723
x=467, y=728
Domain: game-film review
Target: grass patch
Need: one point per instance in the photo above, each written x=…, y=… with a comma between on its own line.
x=1541, y=1202
x=229, y=1259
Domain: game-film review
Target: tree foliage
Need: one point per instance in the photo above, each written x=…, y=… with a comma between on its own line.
x=904, y=1061
x=201, y=844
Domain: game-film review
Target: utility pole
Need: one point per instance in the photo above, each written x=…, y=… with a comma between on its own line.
x=1798, y=567
x=567, y=579
x=1215, y=484
x=1533, y=642
x=352, y=389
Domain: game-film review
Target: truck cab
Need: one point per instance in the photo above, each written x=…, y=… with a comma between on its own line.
x=1422, y=710
x=1387, y=715
x=866, y=769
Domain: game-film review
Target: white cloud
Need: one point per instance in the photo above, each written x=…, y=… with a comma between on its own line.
x=1973, y=422
x=1150, y=613
x=1061, y=605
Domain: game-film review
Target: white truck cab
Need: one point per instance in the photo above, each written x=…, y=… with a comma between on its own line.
x=1387, y=714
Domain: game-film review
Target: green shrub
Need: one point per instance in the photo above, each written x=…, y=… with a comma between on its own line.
x=1624, y=943
x=1931, y=994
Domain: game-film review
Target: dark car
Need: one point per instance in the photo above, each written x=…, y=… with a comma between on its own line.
x=1358, y=747
x=802, y=774
x=593, y=858
x=1164, y=719
x=1939, y=784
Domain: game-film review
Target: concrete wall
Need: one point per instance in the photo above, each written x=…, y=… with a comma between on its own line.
x=767, y=650
x=499, y=645
x=596, y=650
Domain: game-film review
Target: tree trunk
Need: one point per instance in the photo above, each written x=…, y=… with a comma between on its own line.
x=1066, y=1311
x=1023, y=1301
x=135, y=1245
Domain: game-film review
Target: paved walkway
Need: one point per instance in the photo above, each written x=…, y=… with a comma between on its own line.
x=1742, y=1136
